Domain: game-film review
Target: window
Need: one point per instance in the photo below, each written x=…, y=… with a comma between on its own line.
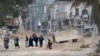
x=57, y=10
x=77, y=11
x=70, y=14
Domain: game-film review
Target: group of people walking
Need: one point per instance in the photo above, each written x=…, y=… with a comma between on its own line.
x=6, y=42
x=31, y=41
x=34, y=40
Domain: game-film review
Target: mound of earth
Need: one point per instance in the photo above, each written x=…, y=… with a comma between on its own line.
x=67, y=35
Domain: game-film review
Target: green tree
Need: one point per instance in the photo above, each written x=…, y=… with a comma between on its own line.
x=7, y=6
x=95, y=9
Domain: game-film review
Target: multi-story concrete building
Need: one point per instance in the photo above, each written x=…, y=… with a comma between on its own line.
x=54, y=15
x=76, y=16
x=61, y=13
x=38, y=15
x=82, y=17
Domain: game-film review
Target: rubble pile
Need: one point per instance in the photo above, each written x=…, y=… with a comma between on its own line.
x=67, y=35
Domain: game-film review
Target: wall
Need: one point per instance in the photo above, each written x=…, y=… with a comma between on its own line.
x=81, y=7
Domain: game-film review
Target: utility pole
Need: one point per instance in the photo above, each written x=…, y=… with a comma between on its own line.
x=50, y=21
x=36, y=24
x=30, y=17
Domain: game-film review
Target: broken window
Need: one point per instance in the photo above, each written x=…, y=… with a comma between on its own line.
x=77, y=11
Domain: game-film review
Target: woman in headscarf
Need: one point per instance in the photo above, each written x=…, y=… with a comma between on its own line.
x=6, y=42
x=27, y=41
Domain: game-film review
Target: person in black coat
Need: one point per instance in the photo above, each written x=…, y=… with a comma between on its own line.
x=16, y=42
x=41, y=38
x=6, y=42
x=49, y=44
x=31, y=41
x=35, y=38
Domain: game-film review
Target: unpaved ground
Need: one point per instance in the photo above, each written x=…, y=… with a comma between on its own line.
x=65, y=49
x=38, y=53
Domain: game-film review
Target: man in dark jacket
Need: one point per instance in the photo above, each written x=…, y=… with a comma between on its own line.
x=35, y=39
x=41, y=41
x=49, y=44
x=31, y=41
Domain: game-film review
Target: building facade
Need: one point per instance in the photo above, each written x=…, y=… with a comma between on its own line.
x=38, y=15
x=82, y=17
x=75, y=16
x=50, y=15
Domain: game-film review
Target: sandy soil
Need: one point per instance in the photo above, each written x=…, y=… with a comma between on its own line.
x=65, y=49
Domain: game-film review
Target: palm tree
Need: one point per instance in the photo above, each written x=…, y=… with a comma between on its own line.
x=95, y=10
